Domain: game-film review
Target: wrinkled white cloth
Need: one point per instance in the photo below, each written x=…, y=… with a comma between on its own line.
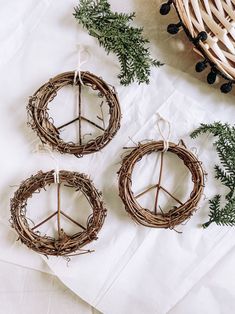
x=24, y=290
x=133, y=268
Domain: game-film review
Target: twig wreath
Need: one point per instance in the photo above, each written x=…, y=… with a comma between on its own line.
x=174, y=216
x=43, y=124
x=64, y=244
x=209, y=25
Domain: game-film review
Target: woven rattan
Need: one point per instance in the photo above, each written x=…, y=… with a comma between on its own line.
x=153, y=218
x=42, y=123
x=217, y=19
x=64, y=244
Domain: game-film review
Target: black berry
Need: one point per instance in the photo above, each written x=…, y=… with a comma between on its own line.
x=226, y=88
x=165, y=9
x=200, y=66
x=211, y=77
x=202, y=36
x=172, y=29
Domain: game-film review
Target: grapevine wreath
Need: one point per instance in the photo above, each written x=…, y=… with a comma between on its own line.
x=42, y=123
x=209, y=25
x=174, y=216
x=64, y=244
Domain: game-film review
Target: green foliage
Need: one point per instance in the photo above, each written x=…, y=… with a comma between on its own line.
x=225, y=147
x=115, y=34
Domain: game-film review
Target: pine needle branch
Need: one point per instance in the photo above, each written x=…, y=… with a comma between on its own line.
x=115, y=34
x=225, y=147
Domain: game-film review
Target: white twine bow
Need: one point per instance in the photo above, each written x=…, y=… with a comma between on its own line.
x=80, y=63
x=165, y=137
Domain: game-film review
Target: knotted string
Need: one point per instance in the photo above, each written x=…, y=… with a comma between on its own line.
x=43, y=147
x=77, y=73
x=80, y=63
x=165, y=137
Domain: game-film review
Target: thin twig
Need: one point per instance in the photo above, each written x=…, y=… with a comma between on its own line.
x=102, y=114
x=160, y=187
x=79, y=113
x=71, y=219
x=93, y=123
x=159, y=182
x=82, y=118
x=67, y=123
x=176, y=199
x=147, y=190
x=58, y=209
x=45, y=220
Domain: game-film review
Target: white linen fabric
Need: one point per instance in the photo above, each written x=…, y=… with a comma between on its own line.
x=24, y=290
x=133, y=268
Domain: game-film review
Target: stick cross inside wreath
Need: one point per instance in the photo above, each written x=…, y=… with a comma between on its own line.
x=175, y=215
x=43, y=124
x=64, y=244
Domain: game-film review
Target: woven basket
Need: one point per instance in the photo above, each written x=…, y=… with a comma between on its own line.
x=210, y=26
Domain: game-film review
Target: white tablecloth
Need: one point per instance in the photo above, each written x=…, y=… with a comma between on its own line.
x=133, y=269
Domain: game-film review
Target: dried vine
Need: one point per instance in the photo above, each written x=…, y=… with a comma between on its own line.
x=175, y=215
x=65, y=244
x=42, y=123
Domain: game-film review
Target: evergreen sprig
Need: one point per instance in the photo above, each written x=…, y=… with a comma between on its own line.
x=115, y=34
x=225, y=147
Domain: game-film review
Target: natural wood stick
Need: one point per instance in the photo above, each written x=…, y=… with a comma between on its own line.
x=71, y=219
x=79, y=113
x=159, y=183
x=58, y=209
x=45, y=220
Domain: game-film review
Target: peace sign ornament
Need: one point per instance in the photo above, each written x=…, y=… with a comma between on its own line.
x=41, y=122
x=64, y=244
x=156, y=218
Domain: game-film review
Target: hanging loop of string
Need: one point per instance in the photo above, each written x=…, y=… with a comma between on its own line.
x=43, y=147
x=56, y=167
x=57, y=175
x=165, y=135
x=77, y=73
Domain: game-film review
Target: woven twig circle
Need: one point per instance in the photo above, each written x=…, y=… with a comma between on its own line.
x=209, y=25
x=65, y=244
x=175, y=215
x=42, y=123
